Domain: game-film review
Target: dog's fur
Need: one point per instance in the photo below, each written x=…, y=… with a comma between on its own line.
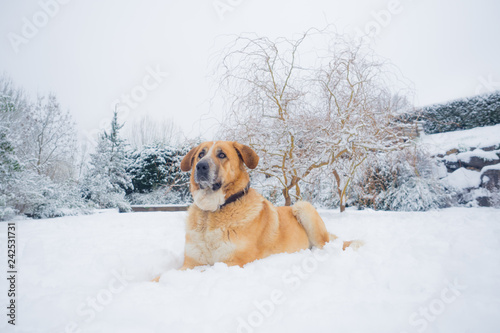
x=249, y=228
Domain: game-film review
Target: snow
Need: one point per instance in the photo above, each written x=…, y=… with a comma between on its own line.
x=463, y=178
x=477, y=137
x=490, y=167
x=435, y=271
x=161, y=206
x=484, y=155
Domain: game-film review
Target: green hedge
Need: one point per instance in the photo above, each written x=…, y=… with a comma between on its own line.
x=477, y=111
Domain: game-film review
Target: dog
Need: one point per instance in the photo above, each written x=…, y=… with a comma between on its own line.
x=232, y=223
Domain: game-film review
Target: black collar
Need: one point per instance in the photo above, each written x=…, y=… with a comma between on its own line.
x=235, y=196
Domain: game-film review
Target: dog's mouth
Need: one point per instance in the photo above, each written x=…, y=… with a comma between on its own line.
x=216, y=186
x=204, y=184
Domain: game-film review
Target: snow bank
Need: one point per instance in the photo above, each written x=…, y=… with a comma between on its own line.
x=436, y=271
x=490, y=167
x=478, y=137
x=484, y=155
x=463, y=178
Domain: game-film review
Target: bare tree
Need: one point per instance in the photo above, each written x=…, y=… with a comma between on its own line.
x=263, y=82
x=148, y=131
x=358, y=110
x=49, y=139
x=304, y=107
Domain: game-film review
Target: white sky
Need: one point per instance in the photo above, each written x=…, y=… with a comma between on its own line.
x=91, y=52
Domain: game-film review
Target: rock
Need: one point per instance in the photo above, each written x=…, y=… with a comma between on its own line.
x=483, y=201
x=489, y=148
x=440, y=155
x=452, y=151
x=490, y=179
x=477, y=162
x=451, y=166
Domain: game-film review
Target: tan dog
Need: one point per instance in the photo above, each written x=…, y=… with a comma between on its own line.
x=230, y=222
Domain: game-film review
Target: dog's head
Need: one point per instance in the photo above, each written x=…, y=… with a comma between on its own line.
x=218, y=171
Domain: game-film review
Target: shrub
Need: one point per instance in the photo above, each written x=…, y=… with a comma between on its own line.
x=478, y=111
x=401, y=181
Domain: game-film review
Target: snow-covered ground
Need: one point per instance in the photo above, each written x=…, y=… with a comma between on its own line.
x=436, y=271
x=460, y=148
x=478, y=137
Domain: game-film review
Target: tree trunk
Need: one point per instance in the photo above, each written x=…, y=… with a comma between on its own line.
x=288, y=200
x=342, y=205
x=340, y=192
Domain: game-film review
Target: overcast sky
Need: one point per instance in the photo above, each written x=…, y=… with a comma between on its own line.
x=93, y=53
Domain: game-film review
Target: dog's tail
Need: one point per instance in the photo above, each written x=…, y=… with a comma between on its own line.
x=315, y=228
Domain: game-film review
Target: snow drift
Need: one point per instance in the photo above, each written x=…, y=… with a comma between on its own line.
x=434, y=271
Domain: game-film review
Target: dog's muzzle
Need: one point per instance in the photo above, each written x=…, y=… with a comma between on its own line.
x=205, y=175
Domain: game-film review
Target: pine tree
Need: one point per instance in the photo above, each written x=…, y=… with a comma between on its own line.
x=9, y=171
x=107, y=179
x=158, y=166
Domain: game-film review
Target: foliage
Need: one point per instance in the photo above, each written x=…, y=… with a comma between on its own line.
x=36, y=149
x=107, y=179
x=156, y=168
x=400, y=181
x=467, y=113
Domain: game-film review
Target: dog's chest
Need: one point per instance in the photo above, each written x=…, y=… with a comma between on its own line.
x=209, y=245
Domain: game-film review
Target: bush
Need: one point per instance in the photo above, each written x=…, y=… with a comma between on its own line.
x=478, y=111
x=400, y=181
x=39, y=198
x=155, y=172
x=6, y=212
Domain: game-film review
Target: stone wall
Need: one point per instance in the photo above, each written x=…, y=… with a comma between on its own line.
x=485, y=161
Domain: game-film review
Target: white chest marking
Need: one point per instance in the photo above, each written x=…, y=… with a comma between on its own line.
x=209, y=246
x=209, y=200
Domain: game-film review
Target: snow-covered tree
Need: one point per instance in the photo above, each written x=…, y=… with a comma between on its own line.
x=35, y=156
x=321, y=101
x=107, y=179
x=147, y=131
x=157, y=177
x=158, y=166
x=48, y=140
x=9, y=172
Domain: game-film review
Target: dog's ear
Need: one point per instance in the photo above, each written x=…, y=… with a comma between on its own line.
x=247, y=154
x=187, y=161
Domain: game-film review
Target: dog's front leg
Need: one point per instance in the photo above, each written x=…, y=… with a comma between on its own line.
x=190, y=263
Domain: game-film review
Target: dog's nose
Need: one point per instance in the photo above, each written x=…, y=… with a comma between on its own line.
x=202, y=168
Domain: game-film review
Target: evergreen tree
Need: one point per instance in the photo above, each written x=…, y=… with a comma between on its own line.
x=107, y=179
x=158, y=166
x=9, y=171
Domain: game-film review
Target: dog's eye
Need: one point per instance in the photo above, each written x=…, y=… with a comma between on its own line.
x=200, y=155
x=221, y=155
